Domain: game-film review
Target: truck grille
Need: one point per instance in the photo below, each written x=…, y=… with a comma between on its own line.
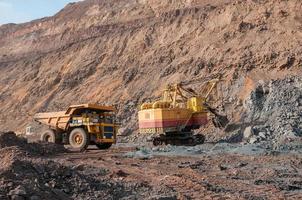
x=108, y=129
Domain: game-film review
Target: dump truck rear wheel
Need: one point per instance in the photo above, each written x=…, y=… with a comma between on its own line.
x=103, y=145
x=78, y=139
x=48, y=136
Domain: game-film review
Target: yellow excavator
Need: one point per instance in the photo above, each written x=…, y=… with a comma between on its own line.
x=179, y=112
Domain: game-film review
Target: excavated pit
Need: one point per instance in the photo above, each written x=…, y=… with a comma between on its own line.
x=124, y=53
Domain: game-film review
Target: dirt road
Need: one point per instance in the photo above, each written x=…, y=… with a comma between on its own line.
x=204, y=176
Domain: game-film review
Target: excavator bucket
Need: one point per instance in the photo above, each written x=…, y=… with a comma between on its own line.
x=220, y=121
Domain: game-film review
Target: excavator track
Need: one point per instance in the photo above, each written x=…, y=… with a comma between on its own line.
x=179, y=139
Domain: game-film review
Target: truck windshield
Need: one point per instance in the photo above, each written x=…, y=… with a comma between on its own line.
x=109, y=119
x=106, y=119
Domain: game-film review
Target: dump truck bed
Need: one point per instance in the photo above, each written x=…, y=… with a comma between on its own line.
x=59, y=120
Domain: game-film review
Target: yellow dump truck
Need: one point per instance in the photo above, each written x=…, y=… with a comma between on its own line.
x=80, y=126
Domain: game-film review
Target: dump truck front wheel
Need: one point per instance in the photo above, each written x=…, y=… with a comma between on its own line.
x=78, y=139
x=103, y=145
x=48, y=136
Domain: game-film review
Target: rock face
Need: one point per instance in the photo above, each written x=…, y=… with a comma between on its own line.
x=277, y=110
x=124, y=52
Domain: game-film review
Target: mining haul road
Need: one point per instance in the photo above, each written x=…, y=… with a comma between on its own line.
x=229, y=175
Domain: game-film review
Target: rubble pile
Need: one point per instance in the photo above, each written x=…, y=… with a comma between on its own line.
x=10, y=139
x=26, y=172
x=25, y=178
x=274, y=112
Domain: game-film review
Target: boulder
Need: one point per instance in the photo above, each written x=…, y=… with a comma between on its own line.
x=262, y=135
x=248, y=132
x=19, y=193
x=253, y=140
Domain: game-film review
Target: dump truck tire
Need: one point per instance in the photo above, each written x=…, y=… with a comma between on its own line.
x=48, y=136
x=78, y=139
x=104, y=145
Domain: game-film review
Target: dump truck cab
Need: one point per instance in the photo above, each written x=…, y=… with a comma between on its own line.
x=80, y=126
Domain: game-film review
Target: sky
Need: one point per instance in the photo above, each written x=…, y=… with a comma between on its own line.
x=19, y=11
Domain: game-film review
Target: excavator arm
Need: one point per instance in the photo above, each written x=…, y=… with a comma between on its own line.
x=219, y=120
x=181, y=92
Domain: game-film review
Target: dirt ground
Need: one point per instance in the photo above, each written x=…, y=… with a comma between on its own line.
x=141, y=171
x=269, y=175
